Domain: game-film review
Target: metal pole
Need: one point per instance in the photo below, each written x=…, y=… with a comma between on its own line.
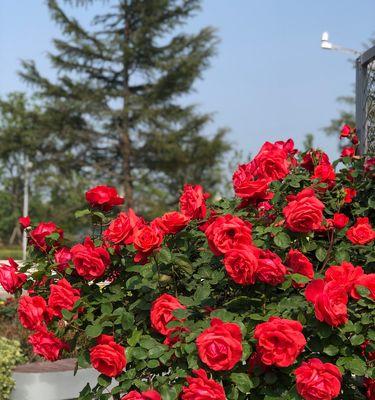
x=360, y=112
x=25, y=204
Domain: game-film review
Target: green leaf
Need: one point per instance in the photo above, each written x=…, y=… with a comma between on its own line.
x=93, y=331
x=127, y=320
x=331, y=350
x=202, y=293
x=134, y=338
x=242, y=381
x=356, y=340
x=282, y=240
x=81, y=213
x=104, y=380
x=298, y=278
x=321, y=253
x=106, y=308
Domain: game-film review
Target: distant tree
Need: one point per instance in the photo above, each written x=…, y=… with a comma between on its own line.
x=308, y=143
x=124, y=79
x=29, y=133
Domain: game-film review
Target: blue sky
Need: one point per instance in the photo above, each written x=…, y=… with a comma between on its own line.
x=270, y=79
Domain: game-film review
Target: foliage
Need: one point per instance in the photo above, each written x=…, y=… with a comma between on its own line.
x=10, y=356
x=121, y=82
x=299, y=210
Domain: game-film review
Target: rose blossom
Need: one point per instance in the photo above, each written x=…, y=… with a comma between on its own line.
x=103, y=197
x=345, y=275
x=329, y=300
x=193, y=202
x=316, y=380
x=146, y=239
x=314, y=158
x=361, y=232
x=90, y=262
x=162, y=312
x=228, y=232
x=348, y=152
x=171, y=222
x=324, y=173
x=366, y=280
x=10, y=278
x=345, y=131
x=370, y=388
x=39, y=234
x=202, y=388
x=24, y=222
x=32, y=311
x=270, y=268
x=62, y=257
x=220, y=346
x=279, y=341
x=298, y=263
x=121, y=229
x=241, y=264
x=147, y=395
x=349, y=195
x=62, y=297
x=47, y=345
x=304, y=212
x=107, y=356
x=340, y=220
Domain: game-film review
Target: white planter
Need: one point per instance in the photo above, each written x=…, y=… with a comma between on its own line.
x=51, y=381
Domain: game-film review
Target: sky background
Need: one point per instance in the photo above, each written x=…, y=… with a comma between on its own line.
x=270, y=79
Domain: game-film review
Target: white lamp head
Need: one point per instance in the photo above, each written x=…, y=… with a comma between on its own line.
x=325, y=44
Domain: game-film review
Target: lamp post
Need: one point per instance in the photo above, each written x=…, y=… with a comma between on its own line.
x=28, y=166
x=327, y=45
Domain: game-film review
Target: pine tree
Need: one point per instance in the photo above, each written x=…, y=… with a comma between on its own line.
x=124, y=77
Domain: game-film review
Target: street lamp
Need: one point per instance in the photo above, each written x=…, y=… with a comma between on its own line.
x=327, y=45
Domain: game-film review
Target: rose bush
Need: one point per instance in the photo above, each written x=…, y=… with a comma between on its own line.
x=269, y=295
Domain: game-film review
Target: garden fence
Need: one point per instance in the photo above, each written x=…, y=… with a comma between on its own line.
x=365, y=100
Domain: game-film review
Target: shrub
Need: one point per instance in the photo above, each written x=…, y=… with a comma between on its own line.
x=269, y=295
x=10, y=356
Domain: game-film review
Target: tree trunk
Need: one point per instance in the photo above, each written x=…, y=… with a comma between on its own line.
x=126, y=145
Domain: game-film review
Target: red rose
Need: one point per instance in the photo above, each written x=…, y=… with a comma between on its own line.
x=369, y=165
x=62, y=257
x=304, y=212
x=103, y=197
x=90, y=262
x=32, y=311
x=162, y=313
x=146, y=239
x=370, y=388
x=279, y=341
x=313, y=158
x=39, y=234
x=348, y=152
x=220, y=346
x=349, y=195
x=340, y=220
x=10, y=279
x=247, y=186
x=345, y=131
x=241, y=264
x=171, y=222
x=329, y=301
x=107, y=356
x=325, y=174
x=24, y=222
x=256, y=365
x=270, y=268
x=147, y=395
x=228, y=232
x=344, y=275
x=361, y=232
x=193, y=202
x=316, y=380
x=366, y=280
x=121, y=229
x=202, y=388
x=62, y=297
x=298, y=263
x=47, y=345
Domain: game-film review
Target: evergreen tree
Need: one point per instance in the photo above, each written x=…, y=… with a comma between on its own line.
x=124, y=78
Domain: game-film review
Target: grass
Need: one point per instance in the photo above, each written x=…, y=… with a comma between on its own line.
x=14, y=252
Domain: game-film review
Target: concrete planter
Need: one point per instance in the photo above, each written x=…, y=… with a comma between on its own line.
x=51, y=380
